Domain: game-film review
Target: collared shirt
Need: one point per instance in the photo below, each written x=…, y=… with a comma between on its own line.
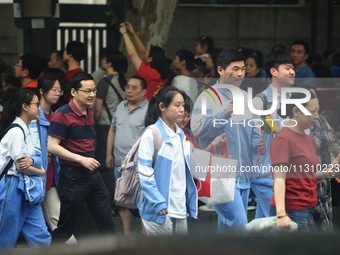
x=15, y=145
x=74, y=129
x=129, y=125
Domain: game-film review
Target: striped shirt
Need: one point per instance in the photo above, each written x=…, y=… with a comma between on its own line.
x=75, y=130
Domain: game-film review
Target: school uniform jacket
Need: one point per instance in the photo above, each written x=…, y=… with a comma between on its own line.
x=155, y=179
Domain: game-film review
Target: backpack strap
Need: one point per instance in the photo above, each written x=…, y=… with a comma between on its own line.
x=157, y=140
x=13, y=125
x=10, y=162
x=120, y=98
x=114, y=88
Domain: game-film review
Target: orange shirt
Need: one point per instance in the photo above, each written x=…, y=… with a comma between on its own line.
x=33, y=84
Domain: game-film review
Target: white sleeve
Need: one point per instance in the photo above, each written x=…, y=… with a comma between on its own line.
x=17, y=147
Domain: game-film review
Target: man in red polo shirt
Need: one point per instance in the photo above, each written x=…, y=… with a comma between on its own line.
x=71, y=137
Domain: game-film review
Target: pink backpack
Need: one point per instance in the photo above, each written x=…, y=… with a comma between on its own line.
x=128, y=184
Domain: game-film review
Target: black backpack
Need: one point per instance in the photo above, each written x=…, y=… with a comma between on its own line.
x=10, y=163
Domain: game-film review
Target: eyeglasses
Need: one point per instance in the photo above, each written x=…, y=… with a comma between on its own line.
x=37, y=104
x=57, y=91
x=88, y=91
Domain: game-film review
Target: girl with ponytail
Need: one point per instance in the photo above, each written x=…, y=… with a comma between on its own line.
x=168, y=193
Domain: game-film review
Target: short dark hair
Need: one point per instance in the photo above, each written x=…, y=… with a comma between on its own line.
x=189, y=58
x=59, y=54
x=77, y=49
x=276, y=58
x=33, y=63
x=228, y=56
x=141, y=79
x=303, y=43
x=77, y=78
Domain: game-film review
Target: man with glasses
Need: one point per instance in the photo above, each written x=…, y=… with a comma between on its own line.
x=71, y=137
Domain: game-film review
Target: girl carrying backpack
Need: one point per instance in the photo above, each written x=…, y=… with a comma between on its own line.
x=168, y=194
x=21, y=189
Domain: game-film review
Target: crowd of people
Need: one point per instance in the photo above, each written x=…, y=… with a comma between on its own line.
x=73, y=130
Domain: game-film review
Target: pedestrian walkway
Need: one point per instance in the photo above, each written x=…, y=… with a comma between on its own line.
x=206, y=223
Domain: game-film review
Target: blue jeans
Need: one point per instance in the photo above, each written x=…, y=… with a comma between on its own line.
x=116, y=172
x=298, y=216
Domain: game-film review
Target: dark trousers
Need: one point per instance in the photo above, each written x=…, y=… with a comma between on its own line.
x=77, y=185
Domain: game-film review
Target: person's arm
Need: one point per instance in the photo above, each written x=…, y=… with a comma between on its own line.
x=208, y=120
x=33, y=171
x=25, y=166
x=217, y=142
x=146, y=173
x=97, y=108
x=54, y=147
x=130, y=48
x=139, y=45
x=279, y=195
x=109, y=147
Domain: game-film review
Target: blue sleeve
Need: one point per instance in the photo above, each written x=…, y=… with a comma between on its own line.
x=212, y=128
x=146, y=172
x=37, y=159
x=208, y=120
x=255, y=138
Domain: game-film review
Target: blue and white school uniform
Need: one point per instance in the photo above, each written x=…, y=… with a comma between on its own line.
x=167, y=183
x=242, y=140
x=17, y=215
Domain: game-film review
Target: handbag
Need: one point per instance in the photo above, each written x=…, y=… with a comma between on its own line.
x=216, y=178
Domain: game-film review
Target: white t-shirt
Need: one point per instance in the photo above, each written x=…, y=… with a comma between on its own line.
x=177, y=201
